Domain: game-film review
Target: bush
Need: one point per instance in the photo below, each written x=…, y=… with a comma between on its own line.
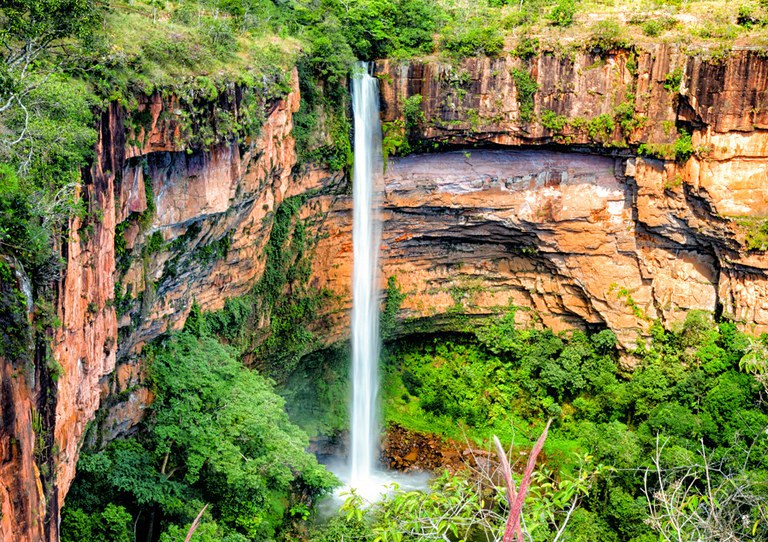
x=477, y=38
x=750, y=15
x=526, y=87
x=654, y=27
x=526, y=48
x=600, y=128
x=563, y=12
x=607, y=35
x=525, y=16
x=683, y=146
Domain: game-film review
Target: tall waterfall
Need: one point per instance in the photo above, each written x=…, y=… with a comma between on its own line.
x=366, y=234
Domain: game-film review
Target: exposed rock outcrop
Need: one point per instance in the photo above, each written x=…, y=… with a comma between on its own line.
x=679, y=237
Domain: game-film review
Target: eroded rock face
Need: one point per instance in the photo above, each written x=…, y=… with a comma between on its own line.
x=680, y=247
x=554, y=233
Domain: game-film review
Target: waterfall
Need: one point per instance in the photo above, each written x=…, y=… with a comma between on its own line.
x=366, y=233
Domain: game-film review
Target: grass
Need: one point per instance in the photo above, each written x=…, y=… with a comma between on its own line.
x=756, y=232
x=698, y=25
x=149, y=50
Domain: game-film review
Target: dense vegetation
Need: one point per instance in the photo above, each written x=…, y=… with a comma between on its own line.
x=685, y=406
x=217, y=436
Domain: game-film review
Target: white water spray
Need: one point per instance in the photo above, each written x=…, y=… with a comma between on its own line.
x=366, y=234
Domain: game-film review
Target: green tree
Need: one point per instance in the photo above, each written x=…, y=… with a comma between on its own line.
x=217, y=434
x=37, y=38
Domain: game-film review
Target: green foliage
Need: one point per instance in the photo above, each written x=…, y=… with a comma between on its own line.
x=393, y=299
x=476, y=37
x=756, y=232
x=683, y=146
x=607, y=35
x=625, y=116
x=563, y=12
x=526, y=48
x=395, y=139
x=321, y=128
x=412, y=112
x=656, y=26
x=287, y=269
x=382, y=28
x=113, y=524
x=14, y=326
x=553, y=122
x=217, y=434
x=41, y=170
x=686, y=388
x=600, y=128
x=213, y=251
x=673, y=79
x=458, y=506
x=155, y=243
x=526, y=87
x=32, y=35
x=752, y=15
x=317, y=393
x=282, y=297
x=681, y=149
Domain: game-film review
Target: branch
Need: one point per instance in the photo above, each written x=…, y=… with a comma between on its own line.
x=195, y=524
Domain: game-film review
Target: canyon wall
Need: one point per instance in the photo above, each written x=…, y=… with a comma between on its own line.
x=581, y=232
x=689, y=220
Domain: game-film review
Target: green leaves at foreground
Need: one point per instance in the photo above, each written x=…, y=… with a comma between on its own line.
x=460, y=506
x=217, y=434
x=688, y=405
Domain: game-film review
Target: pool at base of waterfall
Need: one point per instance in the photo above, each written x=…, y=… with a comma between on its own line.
x=379, y=484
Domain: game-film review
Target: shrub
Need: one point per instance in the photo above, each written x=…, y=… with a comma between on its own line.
x=673, y=79
x=654, y=27
x=477, y=38
x=553, y=122
x=563, y=12
x=526, y=87
x=220, y=36
x=607, y=35
x=683, y=146
x=750, y=15
x=525, y=16
x=412, y=111
x=526, y=47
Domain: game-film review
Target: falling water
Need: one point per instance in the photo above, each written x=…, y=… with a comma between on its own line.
x=366, y=232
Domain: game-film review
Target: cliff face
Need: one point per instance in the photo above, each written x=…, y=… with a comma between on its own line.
x=614, y=241
x=580, y=232
x=48, y=399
